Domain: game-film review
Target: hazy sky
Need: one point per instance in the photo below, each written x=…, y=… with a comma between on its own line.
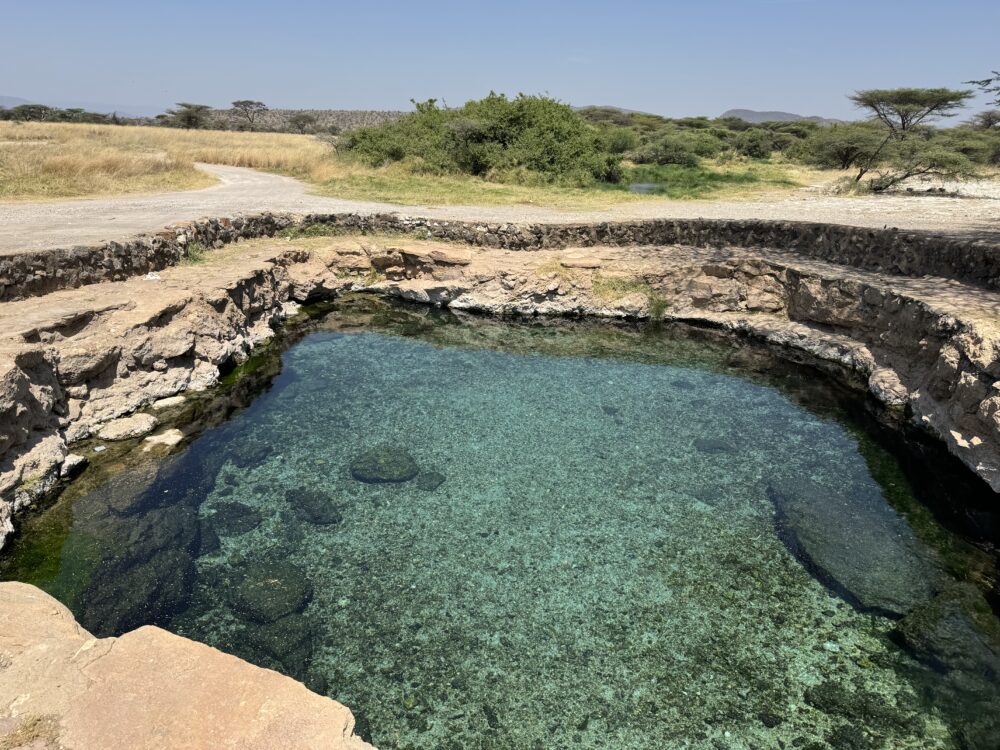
x=672, y=58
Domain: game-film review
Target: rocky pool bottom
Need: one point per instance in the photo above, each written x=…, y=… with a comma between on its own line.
x=480, y=534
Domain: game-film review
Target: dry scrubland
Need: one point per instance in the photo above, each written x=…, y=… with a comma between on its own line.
x=40, y=161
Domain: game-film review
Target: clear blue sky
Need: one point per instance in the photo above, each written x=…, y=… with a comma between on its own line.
x=672, y=58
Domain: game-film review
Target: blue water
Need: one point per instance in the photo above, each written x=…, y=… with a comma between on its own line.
x=599, y=568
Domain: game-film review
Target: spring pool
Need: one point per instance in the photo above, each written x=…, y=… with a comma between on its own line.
x=483, y=534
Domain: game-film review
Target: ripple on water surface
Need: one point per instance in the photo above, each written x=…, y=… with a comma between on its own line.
x=492, y=547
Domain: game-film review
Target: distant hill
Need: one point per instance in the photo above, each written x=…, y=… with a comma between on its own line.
x=12, y=101
x=123, y=110
x=755, y=116
x=325, y=119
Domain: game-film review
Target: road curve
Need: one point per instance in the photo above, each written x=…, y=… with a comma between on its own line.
x=53, y=224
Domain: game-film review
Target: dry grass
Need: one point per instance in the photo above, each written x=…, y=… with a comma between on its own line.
x=61, y=160
x=34, y=732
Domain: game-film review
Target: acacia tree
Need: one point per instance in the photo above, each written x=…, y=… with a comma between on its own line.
x=842, y=145
x=986, y=120
x=901, y=112
x=249, y=110
x=990, y=85
x=302, y=121
x=189, y=116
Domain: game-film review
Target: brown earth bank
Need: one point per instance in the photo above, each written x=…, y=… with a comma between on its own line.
x=63, y=688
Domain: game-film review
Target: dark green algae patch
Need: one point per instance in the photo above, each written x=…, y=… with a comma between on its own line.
x=595, y=535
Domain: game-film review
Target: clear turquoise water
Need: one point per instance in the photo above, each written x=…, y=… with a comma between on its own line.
x=600, y=568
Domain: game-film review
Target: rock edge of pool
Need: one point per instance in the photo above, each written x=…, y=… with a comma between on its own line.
x=105, y=371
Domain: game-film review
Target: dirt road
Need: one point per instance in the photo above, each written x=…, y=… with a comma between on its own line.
x=34, y=226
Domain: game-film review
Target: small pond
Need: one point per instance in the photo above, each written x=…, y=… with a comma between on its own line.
x=553, y=535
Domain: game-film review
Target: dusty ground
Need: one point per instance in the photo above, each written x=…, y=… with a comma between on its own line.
x=33, y=226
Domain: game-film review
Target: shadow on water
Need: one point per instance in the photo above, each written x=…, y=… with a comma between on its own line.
x=673, y=449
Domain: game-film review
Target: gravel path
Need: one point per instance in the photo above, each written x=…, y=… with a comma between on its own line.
x=34, y=226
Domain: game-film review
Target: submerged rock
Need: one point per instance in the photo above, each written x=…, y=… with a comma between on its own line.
x=272, y=589
x=862, y=707
x=235, y=518
x=956, y=630
x=855, y=543
x=958, y=637
x=314, y=506
x=384, y=464
x=121, y=598
x=714, y=445
x=287, y=640
x=430, y=480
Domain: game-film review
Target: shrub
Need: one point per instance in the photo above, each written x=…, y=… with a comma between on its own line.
x=668, y=149
x=754, y=143
x=496, y=137
x=839, y=146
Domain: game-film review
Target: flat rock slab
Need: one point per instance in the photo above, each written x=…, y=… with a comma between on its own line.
x=384, y=464
x=855, y=543
x=129, y=427
x=270, y=590
x=165, y=439
x=147, y=689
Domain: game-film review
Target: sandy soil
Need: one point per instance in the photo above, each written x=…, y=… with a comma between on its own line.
x=34, y=226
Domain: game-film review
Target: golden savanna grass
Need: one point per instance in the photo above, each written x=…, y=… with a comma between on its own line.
x=64, y=160
x=61, y=160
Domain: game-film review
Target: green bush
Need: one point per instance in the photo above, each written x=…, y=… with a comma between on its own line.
x=668, y=149
x=755, y=143
x=496, y=137
x=840, y=146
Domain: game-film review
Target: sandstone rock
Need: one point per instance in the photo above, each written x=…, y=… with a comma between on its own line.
x=150, y=689
x=384, y=464
x=270, y=590
x=128, y=427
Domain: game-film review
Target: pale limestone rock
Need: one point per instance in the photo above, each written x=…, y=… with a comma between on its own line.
x=128, y=427
x=887, y=388
x=77, y=364
x=73, y=464
x=166, y=439
x=168, y=403
x=150, y=689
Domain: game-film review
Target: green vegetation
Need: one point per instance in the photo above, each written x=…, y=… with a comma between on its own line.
x=499, y=151
x=194, y=253
x=533, y=141
x=526, y=140
x=613, y=288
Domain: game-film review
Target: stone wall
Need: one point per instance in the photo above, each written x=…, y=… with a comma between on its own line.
x=883, y=250
x=41, y=272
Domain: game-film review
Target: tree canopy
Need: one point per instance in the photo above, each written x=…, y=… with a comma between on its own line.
x=901, y=110
x=190, y=116
x=249, y=109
